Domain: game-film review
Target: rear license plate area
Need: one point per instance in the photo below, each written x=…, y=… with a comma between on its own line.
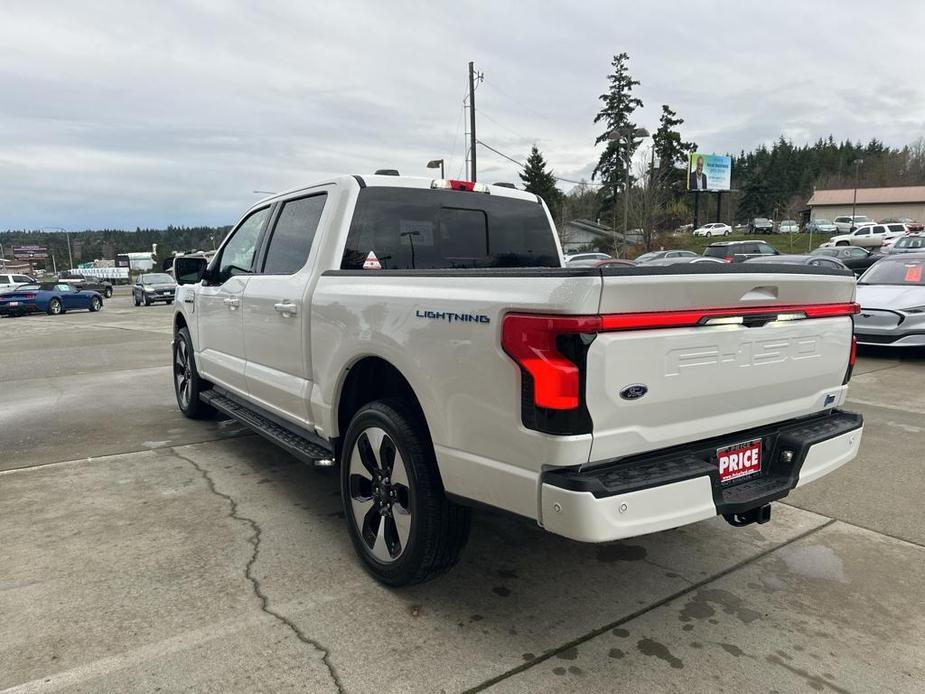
x=739, y=461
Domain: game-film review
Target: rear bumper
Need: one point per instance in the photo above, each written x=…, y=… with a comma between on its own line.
x=894, y=338
x=667, y=489
x=21, y=308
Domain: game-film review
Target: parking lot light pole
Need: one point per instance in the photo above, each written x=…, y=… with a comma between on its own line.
x=435, y=163
x=857, y=181
x=67, y=235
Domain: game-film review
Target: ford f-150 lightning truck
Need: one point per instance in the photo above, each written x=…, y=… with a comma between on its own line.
x=423, y=336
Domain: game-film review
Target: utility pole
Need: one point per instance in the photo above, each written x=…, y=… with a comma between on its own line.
x=857, y=182
x=472, y=169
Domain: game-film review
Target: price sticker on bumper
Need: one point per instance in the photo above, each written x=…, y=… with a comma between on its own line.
x=739, y=460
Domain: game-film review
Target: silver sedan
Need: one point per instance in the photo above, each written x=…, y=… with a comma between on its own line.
x=892, y=298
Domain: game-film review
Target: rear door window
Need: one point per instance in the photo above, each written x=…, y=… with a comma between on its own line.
x=293, y=234
x=413, y=228
x=717, y=251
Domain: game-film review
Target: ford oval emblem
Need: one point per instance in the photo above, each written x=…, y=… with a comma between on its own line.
x=634, y=392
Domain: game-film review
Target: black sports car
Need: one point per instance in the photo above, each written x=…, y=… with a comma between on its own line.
x=853, y=257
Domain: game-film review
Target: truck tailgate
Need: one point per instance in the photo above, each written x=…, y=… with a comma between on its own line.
x=695, y=354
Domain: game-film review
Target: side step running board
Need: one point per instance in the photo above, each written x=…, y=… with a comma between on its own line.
x=306, y=447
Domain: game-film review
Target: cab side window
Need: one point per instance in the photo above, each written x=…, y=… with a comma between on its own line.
x=293, y=234
x=238, y=254
x=765, y=249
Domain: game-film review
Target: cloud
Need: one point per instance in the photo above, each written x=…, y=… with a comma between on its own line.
x=121, y=115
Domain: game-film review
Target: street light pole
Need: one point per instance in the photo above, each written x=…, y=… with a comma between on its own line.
x=67, y=235
x=857, y=182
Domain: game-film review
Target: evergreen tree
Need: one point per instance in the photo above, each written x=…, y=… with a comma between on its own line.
x=616, y=114
x=541, y=182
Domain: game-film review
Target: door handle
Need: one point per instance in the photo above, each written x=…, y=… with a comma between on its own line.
x=286, y=309
x=232, y=302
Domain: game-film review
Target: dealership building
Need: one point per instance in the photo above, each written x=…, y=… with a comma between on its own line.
x=876, y=203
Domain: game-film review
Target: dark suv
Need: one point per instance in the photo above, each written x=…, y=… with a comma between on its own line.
x=737, y=251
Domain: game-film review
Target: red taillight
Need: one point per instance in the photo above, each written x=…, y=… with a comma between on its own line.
x=727, y=259
x=456, y=184
x=460, y=185
x=530, y=340
x=28, y=297
x=852, y=357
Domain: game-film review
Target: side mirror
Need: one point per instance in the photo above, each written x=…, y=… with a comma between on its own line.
x=189, y=270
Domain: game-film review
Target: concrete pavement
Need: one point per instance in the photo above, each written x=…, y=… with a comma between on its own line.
x=144, y=551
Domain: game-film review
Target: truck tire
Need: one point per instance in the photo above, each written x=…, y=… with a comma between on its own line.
x=402, y=525
x=187, y=383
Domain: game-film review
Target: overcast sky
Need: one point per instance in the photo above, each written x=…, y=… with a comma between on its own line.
x=125, y=114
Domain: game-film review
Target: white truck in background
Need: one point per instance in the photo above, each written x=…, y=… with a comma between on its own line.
x=423, y=335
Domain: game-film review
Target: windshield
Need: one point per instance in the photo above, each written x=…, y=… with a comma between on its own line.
x=905, y=271
x=717, y=251
x=156, y=278
x=823, y=221
x=861, y=218
x=649, y=256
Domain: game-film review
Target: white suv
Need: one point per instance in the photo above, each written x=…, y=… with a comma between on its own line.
x=845, y=224
x=8, y=282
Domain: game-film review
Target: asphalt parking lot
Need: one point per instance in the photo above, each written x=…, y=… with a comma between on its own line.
x=142, y=551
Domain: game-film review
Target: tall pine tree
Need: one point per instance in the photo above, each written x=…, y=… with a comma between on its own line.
x=616, y=114
x=541, y=182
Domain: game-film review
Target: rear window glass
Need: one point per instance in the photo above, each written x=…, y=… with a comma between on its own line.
x=911, y=242
x=407, y=229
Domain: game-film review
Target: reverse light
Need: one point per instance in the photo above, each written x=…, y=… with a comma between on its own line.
x=455, y=184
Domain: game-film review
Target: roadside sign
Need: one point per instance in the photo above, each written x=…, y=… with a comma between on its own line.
x=30, y=252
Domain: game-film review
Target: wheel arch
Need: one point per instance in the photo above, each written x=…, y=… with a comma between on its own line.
x=365, y=380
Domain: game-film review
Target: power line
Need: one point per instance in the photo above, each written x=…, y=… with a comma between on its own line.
x=524, y=166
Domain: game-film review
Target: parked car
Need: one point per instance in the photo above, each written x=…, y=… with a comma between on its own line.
x=469, y=369
x=53, y=299
x=811, y=260
x=91, y=283
x=910, y=243
x=869, y=235
x=737, y=251
x=585, y=256
x=788, y=226
x=821, y=226
x=152, y=287
x=8, y=282
x=713, y=229
x=854, y=258
x=892, y=298
x=659, y=255
x=683, y=260
x=761, y=225
x=845, y=224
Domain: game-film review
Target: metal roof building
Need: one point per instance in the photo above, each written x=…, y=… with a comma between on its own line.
x=876, y=203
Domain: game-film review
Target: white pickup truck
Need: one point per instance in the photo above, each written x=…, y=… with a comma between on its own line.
x=424, y=335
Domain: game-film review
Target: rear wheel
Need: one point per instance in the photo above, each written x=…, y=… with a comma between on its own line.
x=95, y=304
x=186, y=380
x=54, y=307
x=402, y=525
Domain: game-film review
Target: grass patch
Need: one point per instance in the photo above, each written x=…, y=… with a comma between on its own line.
x=785, y=243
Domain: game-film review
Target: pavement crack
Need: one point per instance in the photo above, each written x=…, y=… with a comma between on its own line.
x=254, y=541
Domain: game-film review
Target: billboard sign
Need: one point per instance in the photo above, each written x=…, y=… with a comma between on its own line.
x=30, y=252
x=709, y=172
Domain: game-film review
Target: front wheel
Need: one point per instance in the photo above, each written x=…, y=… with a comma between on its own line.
x=402, y=525
x=186, y=380
x=147, y=301
x=108, y=292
